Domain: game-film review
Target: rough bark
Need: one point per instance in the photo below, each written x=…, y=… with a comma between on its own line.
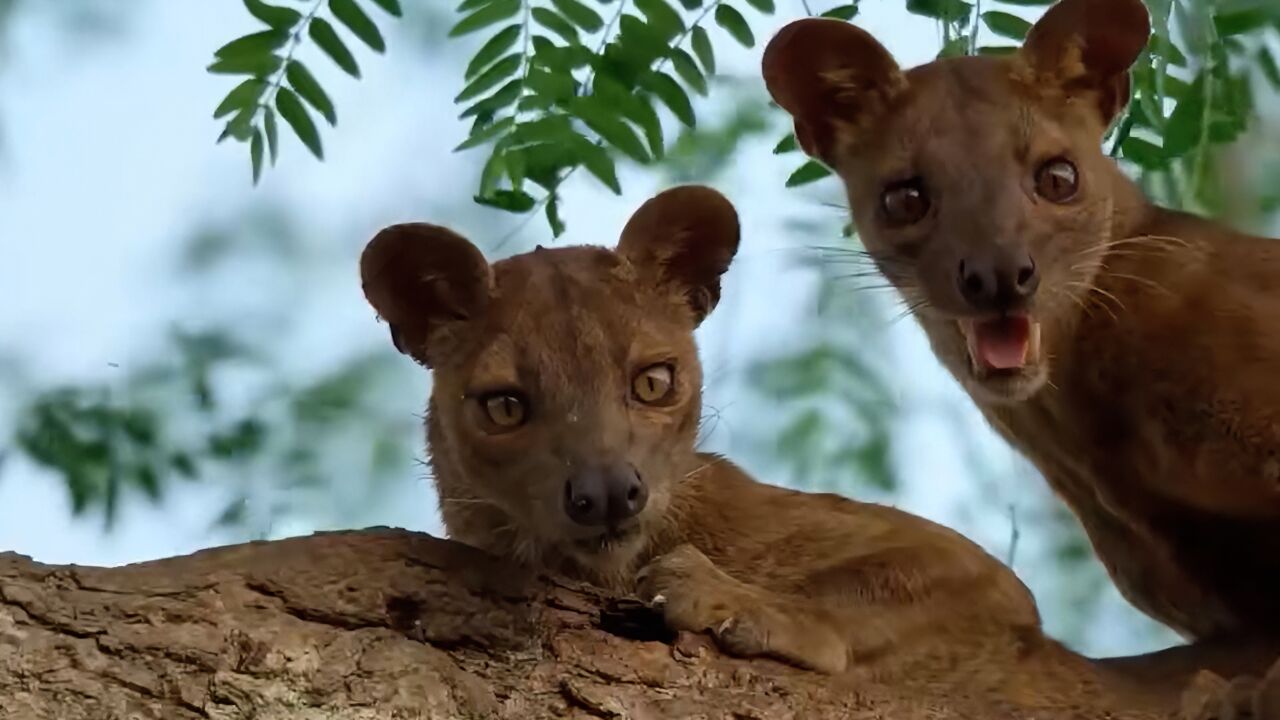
x=385, y=624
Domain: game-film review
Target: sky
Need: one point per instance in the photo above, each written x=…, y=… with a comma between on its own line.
x=109, y=156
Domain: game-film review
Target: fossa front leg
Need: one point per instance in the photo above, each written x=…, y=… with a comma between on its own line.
x=745, y=620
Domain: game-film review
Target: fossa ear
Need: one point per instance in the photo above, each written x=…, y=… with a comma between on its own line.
x=1086, y=47
x=684, y=238
x=425, y=281
x=833, y=78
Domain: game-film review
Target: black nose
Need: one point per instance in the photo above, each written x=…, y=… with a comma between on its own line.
x=992, y=283
x=604, y=495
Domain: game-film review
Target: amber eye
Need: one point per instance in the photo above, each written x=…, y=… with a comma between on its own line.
x=1057, y=180
x=905, y=203
x=653, y=384
x=505, y=410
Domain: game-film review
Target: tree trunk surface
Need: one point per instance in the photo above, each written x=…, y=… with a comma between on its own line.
x=391, y=624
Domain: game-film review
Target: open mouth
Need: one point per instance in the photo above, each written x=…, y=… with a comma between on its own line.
x=607, y=539
x=1002, y=345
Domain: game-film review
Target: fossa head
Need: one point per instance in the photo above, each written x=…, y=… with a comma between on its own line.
x=977, y=184
x=567, y=388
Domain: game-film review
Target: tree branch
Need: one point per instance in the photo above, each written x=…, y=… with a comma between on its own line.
x=389, y=624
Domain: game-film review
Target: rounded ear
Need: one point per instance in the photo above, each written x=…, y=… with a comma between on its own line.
x=685, y=238
x=833, y=78
x=424, y=280
x=1088, y=46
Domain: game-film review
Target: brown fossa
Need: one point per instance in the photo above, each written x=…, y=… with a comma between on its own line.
x=1130, y=351
x=561, y=429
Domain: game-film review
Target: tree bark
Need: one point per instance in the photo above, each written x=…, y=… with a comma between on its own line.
x=390, y=624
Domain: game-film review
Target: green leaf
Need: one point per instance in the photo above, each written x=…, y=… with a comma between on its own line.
x=609, y=127
x=504, y=96
x=842, y=12
x=1145, y=154
x=256, y=65
x=634, y=107
x=493, y=48
x=469, y=5
x=244, y=95
x=492, y=171
x=255, y=155
x=736, y=25
x=273, y=133
x=486, y=133
x=553, y=216
x=276, y=17
x=598, y=163
x=691, y=4
x=1006, y=25
x=945, y=10
x=301, y=79
x=552, y=129
x=241, y=440
x=1166, y=50
x=642, y=114
x=234, y=514
x=360, y=24
x=997, y=50
x=579, y=14
x=1182, y=133
x=499, y=71
x=296, y=116
x=764, y=6
x=639, y=44
x=955, y=47
x=1029, y=3
x=786, y=145
x=1243, y=21
x=552, y=21
x=494, y=12
x=1270, y=70
x=809, y=172
x=323, y=34
x=239, y=127
x=257, y=44
x=555, y=87
x=392, y=7
x=701, y=43
x=682, y=62
x=672, y=95
x=182, y=464
x=516, y=201
x=661, y=16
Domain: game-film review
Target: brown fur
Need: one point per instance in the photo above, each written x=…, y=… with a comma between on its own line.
x=1154, y=406
x=814, y=579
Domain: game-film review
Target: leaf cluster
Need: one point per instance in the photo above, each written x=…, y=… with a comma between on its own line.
x=278, y=86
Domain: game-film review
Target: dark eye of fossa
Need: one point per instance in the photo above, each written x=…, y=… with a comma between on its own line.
x=502, y=411
x=655, y=384
x=1057, y=180
x=905, y=202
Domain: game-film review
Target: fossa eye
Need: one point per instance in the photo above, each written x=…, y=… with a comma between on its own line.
x=654, y=385
x=1057, y=180
x=504, y=410
x=905, y=203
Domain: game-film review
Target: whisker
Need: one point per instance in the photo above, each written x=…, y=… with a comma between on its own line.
x=719, y=459
x=1145, y=281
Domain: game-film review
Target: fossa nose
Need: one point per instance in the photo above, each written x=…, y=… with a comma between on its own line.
x=997, y=282
x=604, y=495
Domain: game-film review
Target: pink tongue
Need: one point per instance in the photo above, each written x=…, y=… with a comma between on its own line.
x=1002, y=344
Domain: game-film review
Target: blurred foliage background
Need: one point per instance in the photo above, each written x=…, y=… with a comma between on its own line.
x=240, y=389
